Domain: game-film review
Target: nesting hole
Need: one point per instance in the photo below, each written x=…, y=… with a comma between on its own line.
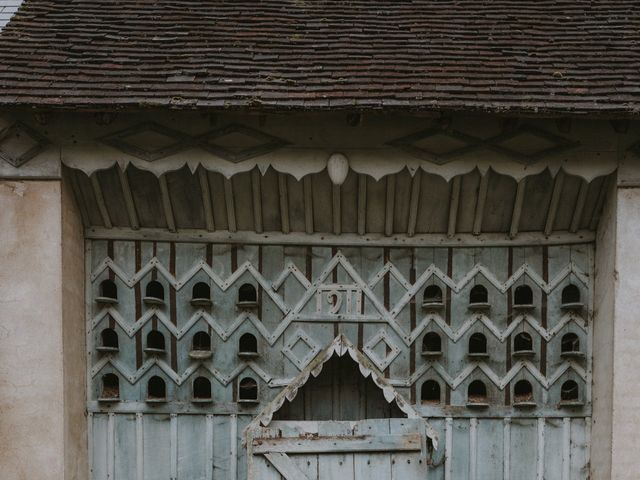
x=201, y=346
x=432, y=296
x=109, y=340
x=570, y=345
x=478, y=345
x=523, y=344
x=248, y=345
x=430, y=392
x=247, y=295
x=201, y=294
x=201, y=389
x=110, y=387
x=248, y=390
x=477, y=392
x=523, y=296
x=155, y=342
x=523, y=392
x=569, y=392
x=202, y=341
x=431, y=344
x=154, y=293
x=478, y=297
x=156, y=389
x=108, y=292
x=571, y=298
x=570, y=294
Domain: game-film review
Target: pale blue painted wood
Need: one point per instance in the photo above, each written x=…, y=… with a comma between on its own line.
x=193, y=459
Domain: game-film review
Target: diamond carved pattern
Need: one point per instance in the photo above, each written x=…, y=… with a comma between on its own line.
x=300, y=340
x=525, y=144
x=151, y=142
x=548, y=144
x=391, y=349
x=421, y=144
x=20, y=143
x=236, y=143
x=147, y=141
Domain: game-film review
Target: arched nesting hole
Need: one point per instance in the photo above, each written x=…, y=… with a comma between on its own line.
x=477, y=392
x=110, y=387
x=523, y=392
x=248, y=345
x=478, y=295
x=523, y=296
x=201, y=294
x=108, y=291
x=430, y=392
x=201, y=290
x=570, y=296
x=156, y=389
x=431, y=344
x=478, y=345
x=570, y=392
x=202, y=389
x=248, y=390
x=247, y=295
x=155, y=342
x=432, y=296
x=522, y=343
x=109, y=340
x=570, y=344
x=202, y=342
x=154, y=293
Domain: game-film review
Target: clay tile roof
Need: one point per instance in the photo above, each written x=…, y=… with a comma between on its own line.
x=532, y=56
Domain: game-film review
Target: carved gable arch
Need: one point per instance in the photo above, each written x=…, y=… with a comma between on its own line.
x=340, y=346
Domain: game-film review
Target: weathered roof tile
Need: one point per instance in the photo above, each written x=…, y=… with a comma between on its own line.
x=544, y=56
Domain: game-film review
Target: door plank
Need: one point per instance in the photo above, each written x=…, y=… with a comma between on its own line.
x=365, y=443
x=287, y=468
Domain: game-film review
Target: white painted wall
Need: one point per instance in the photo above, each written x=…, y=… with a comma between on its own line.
x=604, y=303
x=41, y=425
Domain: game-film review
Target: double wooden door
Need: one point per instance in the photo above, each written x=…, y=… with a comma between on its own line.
x=375, y=449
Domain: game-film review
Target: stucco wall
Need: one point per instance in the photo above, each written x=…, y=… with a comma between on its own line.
x=626, y=368
x=604, y=297
x=73, y=342
x=33, y=404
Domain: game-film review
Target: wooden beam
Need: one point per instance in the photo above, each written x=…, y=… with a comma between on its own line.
x=602, y=195
x=416, y=182
x=482, y=198
x=555, y=201
x=285, y=466
x=256, y=193
x=166, y=203
x=346, y=239
x=283, y=194
x=362, y=204
x=128, y=199
x=579, y=208
x=230, y=204
x=337, y=209
x=308, y=203
x=102, y=207
x=409, y=442
x=390, y=205
x=77, y=193
x=203, y=177
x=517, y=207
x=454, y=203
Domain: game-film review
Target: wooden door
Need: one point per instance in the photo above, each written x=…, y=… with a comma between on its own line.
x=376, y=449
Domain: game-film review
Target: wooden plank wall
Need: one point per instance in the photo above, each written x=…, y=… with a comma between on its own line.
x=182, y=440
